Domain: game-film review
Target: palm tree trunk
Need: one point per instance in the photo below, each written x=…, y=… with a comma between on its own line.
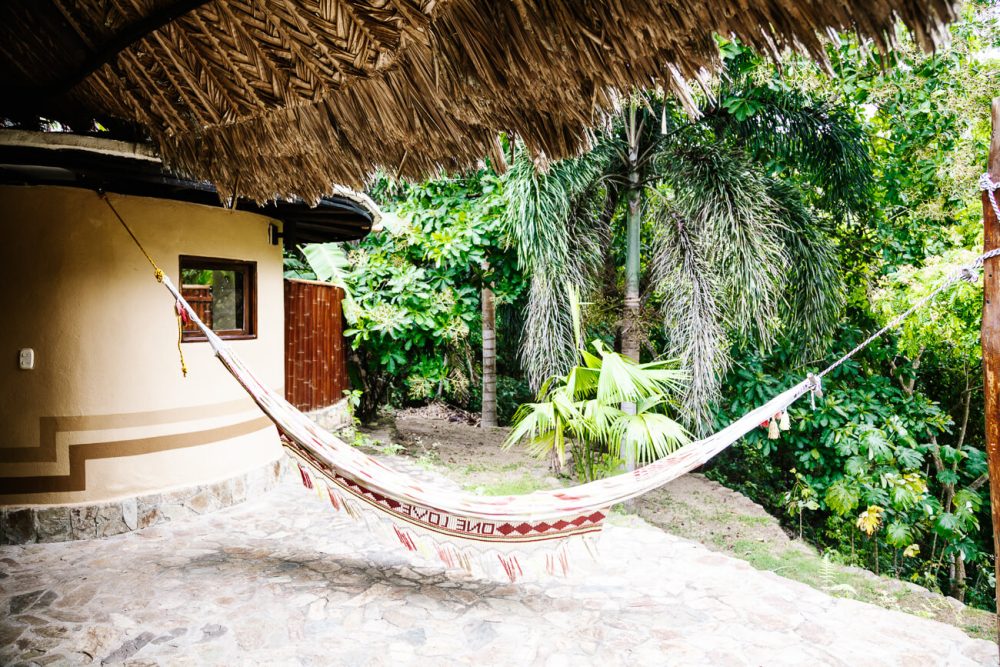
x=631, y=337
x=489, y=416
x=631, y=334
x=630, y=318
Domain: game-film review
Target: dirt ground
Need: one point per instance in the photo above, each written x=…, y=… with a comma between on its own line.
x=692, y=507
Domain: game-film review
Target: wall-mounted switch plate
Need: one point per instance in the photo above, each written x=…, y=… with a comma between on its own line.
x=26, y=359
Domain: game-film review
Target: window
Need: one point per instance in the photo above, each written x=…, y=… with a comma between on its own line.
x=223, y=293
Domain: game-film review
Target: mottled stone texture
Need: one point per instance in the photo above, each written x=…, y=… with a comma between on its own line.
x=61, y=523
x=53, y=524
x=18, y=526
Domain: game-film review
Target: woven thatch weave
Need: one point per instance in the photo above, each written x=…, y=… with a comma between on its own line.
x=281, y=97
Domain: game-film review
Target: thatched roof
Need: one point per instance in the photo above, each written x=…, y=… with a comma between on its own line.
x=280, y=97
x=100, y=164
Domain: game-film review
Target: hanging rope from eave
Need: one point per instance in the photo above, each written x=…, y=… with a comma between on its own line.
x=179, y=310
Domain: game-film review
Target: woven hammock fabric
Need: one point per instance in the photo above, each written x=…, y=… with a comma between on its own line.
x=508, y=535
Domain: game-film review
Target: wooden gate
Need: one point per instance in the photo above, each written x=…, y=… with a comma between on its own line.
x=199, y=297
x=315, y=350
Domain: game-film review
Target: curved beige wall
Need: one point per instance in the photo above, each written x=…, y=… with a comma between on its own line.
x=106, y=412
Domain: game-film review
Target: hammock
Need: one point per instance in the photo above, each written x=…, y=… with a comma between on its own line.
x=498, y=535
x=464, y=530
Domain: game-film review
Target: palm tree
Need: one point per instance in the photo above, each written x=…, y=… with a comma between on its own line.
x=583, y=410
x=734, y=210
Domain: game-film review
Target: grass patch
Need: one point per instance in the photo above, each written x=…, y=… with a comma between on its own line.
x=753, y=520
x=428, y=460
x=834, y=579
x=511, y=487
x=475, y=468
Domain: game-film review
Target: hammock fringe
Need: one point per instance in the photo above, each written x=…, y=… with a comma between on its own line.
x=493, y=563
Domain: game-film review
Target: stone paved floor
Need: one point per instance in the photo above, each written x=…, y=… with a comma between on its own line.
x=283, y=580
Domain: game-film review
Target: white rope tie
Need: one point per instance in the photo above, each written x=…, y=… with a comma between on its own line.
x=989, y=187
x=967, y=272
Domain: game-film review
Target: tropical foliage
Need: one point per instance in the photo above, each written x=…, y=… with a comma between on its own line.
x=737, y=209
x=585, y=411
x=800, y=212
x=893, y=455
x=415, y=287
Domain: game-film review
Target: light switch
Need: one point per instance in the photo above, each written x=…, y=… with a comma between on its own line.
x=26, y=359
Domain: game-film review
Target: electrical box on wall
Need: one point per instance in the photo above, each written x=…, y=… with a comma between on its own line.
x=26, y=359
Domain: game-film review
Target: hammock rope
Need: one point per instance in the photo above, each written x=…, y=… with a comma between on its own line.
x=495, y=535
x=158, y=274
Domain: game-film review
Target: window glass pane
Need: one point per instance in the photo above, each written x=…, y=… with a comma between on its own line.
x=227, y=308
x=217, y=293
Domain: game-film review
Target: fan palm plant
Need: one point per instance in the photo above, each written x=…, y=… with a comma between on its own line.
x=581, y=412
x=733, y=209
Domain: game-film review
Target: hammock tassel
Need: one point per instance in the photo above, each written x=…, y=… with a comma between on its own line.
x=772, y=429
x=511, y=567
x=786, y=422
x=306, y=477
x=333, y=499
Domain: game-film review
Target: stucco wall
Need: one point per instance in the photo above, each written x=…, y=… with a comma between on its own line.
x=106, y=412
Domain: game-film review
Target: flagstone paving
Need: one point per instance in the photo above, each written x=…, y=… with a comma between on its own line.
x=283, y=580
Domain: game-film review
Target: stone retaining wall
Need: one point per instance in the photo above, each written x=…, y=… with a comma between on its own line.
x=62, y=523
x=332, y=418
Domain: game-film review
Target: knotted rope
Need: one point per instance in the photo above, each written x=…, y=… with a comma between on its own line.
x=989, y=187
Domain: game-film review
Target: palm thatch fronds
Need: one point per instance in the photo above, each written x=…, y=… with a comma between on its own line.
x=273, y=98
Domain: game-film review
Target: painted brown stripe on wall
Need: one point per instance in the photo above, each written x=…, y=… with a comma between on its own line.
x=76, y=480
x=48, y=427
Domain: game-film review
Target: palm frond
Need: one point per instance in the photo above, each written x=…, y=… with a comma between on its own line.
x=549, y=217
x=725, y=200
x=548, y=342
x=667, y=374
x=692, y=321
x=820, y=141
x=582, y=381
x=601, y=419
x=649, y=434
x=622, y=380
x=546, y=425
x=539, y=206
x=815, y=298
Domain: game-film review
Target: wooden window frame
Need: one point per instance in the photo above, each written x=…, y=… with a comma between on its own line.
x=249, y=270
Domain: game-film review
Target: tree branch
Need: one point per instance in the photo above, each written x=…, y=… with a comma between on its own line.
x=966, y=399
x=979, y=481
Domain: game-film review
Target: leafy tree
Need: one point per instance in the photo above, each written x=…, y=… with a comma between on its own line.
x=947, y=331
x=418, y=288
x=900, y=428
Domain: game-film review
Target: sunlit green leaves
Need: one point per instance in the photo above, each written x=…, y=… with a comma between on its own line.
x=898, y=534
x=950, y=324
x=416, y=286
x=582, y=410
x=843, y=496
